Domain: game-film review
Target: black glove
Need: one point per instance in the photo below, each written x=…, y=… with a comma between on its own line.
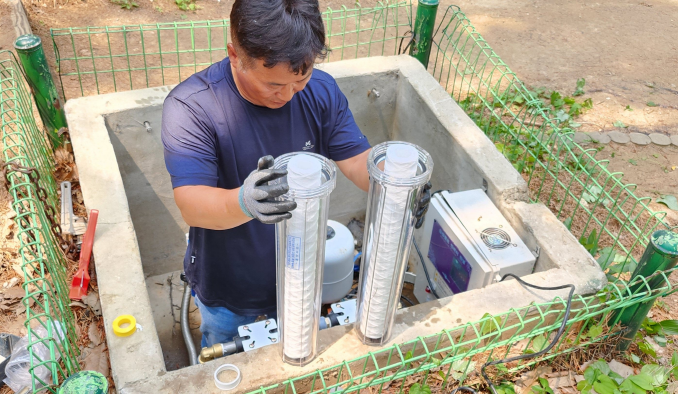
x=422, y=204
x=257, y=197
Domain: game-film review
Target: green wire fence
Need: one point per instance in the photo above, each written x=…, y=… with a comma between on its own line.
x=592, y=201
x=596, y=205
x=95, y=60
x=450, y=357
x=28, y=165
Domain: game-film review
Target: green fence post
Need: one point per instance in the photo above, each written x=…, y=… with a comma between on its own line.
x=423, y=30
x=32, y=57
x=661, y=254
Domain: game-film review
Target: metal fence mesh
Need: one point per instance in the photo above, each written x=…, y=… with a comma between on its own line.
x=451, y=355
x=561, y=174
x=95, y=60
x=28, y=165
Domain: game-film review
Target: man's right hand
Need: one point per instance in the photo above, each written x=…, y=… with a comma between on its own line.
x=257, y=197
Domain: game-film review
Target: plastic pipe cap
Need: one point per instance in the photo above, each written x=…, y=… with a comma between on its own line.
x=227, y=385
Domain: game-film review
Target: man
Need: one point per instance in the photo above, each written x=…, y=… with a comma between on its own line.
x=222, y=123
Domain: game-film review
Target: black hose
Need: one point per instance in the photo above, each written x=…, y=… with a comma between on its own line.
x=423, y=265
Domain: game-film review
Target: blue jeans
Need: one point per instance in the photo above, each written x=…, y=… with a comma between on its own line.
x=219, y=325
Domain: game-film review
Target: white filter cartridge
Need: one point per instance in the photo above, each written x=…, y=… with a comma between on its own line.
x=401, y=161
x=300, y=248
x=389, y=227
x=303, y=173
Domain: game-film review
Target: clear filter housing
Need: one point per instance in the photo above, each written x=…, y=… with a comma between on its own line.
x=398, y=171
x=300, y=250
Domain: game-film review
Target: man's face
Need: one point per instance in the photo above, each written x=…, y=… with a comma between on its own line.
x=263, y=86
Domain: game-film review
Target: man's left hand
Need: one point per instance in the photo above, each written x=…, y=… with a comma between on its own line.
x=422, y=204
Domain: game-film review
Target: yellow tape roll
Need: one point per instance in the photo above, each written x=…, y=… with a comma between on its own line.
x=127, y=330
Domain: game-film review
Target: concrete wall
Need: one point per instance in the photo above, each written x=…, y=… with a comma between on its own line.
x=411, y=106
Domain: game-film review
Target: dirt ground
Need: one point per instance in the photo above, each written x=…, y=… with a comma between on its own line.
x=627, y=50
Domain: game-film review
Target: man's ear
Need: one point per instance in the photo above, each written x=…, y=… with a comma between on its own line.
x=232, y=54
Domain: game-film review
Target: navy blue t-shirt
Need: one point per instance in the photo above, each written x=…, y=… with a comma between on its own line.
x=214, y=137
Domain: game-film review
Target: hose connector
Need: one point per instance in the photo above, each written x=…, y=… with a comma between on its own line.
x=210, y=353
x=218, y=350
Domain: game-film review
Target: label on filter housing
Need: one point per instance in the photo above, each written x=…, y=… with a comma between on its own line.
x=293, y=252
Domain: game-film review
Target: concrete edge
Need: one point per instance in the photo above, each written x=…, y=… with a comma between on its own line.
x=132, y=358
x=504, y=182
x=341, y=343
x=139, y=363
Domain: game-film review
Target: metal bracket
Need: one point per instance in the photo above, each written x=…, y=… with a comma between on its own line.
x=346, y=311
x=259, y=334
x=70, y=224
x=410, y=277
x=536, y=252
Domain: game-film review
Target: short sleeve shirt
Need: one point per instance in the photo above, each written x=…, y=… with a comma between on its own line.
x=212, y=136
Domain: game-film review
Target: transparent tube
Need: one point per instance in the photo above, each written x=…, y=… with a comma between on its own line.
x=300, y=250
x=389, y=227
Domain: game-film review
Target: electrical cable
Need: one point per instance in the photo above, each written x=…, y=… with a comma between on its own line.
x=423, y=265
x=408, y=44
x=464, y=388
x=555, y=340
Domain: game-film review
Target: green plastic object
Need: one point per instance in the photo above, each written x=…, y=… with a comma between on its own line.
x=661, y=255
x=85, y=382
x=423, y=30
x=39, y=78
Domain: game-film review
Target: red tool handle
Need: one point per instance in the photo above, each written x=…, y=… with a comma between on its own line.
x=88, y=239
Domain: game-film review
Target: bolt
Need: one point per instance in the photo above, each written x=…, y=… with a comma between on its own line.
x=375, y=92
x=339, y=306
x=266, y=323
x=252, y=345
x=346, y=320
x=273, y=340
x=246, y=328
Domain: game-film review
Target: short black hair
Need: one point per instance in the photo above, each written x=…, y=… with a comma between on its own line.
x=280, y=31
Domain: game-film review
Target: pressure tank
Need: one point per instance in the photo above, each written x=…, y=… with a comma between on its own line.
x=338, y=275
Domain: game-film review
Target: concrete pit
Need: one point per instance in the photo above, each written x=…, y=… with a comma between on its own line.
x=140, y=240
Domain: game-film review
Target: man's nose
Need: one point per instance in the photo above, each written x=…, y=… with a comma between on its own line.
x=287, y=92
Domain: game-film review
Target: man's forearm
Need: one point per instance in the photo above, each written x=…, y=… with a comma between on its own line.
x=355, y=169
x=210, y=207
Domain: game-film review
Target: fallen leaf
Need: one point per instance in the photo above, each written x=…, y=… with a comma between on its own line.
x=622, y=369
x=527, y=380
x=669, y=201
x=77, y=303
x=11, y=283
x=94, y=334
x=97, y=360
x=561, y=379
x=92, y=300
x=13, y=293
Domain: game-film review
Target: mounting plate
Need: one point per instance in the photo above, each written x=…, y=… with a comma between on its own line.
x=259, y=334
x=346, y=311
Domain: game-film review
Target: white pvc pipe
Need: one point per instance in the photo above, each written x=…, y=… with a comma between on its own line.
x=401, y=162
x=303, y=173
